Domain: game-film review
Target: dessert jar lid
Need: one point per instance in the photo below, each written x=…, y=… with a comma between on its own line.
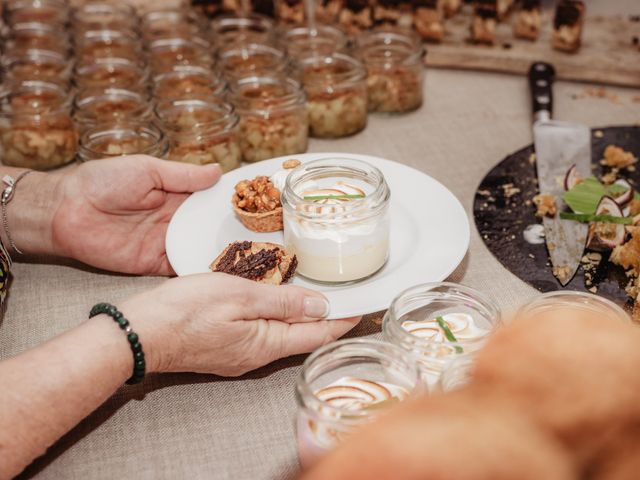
x=366, y=359
x=354, y=210
x=129, y=137
x=327, y=71
x=429, y=301
x=266, y=94
x=196, y=116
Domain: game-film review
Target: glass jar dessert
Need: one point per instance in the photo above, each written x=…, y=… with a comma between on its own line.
x=37, y=36
x=201, y=131
x=33, y=96
x=94, y=44
x=301, y=42
x=104, y=16
x=37, y=64
x=395, y=70
x=167, y=53
x=124, y=138
x=239, y=29
x=336, y=219
x=438, y=323
x=553, y=302
x=93, y=106
x=345, y=385
x=52, y=12
x=252, y=59
x=187, y=81
x=40, y=136
x=112, y=72
x=336, y=88
x=273, y=118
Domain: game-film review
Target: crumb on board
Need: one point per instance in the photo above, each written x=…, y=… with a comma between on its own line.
x=561, y=273
x=617, y=157
x=598, y=134
x=532, y=158
x=546, y=205
x=509, y=190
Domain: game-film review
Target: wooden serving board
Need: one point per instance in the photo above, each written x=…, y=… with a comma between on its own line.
x=607, y=55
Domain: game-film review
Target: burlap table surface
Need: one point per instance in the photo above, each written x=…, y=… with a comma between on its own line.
x=199, y=426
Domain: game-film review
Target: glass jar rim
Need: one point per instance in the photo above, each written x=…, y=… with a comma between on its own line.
x=293, y=98
x=94, y=35
x=570, y=298
x=38, y=85
x=304, y=32
x=374, y=349
x=48, y=28
x=111, y=62
x=93, y=7
x=355, y=73
x=171, y=14
x=33, y=55
x=216, y=80
x=164, y=43
x=252, y=48
x=228, y=117
x=105, y=130
x=91, y=95
x=391, y=323
x=241, y=22
x=380, y=196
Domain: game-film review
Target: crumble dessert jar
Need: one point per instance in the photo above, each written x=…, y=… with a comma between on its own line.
x=438, y=323
x=336, y=219
x=124, y=138
x=201, y=131
x=301, y=42
x=37, y=132
x=166, y=53
x=93, y=106
x=336, y=88
x=345, y=385
x=239, y=29
x=395, y=71
x=187, y=81
x=552, y=302
x=273, y=117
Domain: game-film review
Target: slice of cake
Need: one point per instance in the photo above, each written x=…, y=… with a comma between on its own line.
x=567, y=25
x=527, y=20
x=428, y=19
x=259, y=261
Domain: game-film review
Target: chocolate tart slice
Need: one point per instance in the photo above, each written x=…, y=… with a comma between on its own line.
x=259, y=261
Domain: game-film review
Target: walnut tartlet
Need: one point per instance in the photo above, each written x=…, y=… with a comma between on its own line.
x=259, y=261
x=257, y=204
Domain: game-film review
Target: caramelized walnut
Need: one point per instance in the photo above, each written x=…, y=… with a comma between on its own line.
x=257, y=195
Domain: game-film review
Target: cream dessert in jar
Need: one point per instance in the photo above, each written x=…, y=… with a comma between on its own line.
x=344, y=385
x=336, y=219
x=439, y=323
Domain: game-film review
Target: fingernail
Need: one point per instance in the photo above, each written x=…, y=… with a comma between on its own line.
x=316, y=307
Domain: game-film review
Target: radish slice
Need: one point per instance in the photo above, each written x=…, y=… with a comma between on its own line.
x=572, y=178
x=626, y=197
x=606, y=236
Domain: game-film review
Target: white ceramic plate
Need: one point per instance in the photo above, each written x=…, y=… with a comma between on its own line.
x=429, y=233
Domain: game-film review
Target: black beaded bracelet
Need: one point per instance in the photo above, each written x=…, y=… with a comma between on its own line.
x=139, y=364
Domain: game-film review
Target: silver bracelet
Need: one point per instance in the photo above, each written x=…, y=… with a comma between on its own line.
x=7, y=195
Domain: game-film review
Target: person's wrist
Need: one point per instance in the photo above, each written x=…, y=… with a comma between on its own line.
x=156, y=329
x=31, y=211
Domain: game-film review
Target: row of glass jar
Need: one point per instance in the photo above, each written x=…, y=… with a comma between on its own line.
x=427, y=347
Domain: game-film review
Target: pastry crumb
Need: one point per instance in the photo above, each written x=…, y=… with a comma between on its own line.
x=546, y=205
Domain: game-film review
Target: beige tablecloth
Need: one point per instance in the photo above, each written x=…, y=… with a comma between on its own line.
x=198, y=426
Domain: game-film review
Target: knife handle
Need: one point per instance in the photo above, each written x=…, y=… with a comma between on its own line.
x=541, y=77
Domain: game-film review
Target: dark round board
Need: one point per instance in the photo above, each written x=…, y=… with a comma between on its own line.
x=502, y=214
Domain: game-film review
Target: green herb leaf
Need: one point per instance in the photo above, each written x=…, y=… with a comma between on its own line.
x=448, y=333
x=586, y=195
x=584, y=217
x=332, y=197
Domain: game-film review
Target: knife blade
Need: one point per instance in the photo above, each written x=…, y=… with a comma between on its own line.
x=558, y=146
